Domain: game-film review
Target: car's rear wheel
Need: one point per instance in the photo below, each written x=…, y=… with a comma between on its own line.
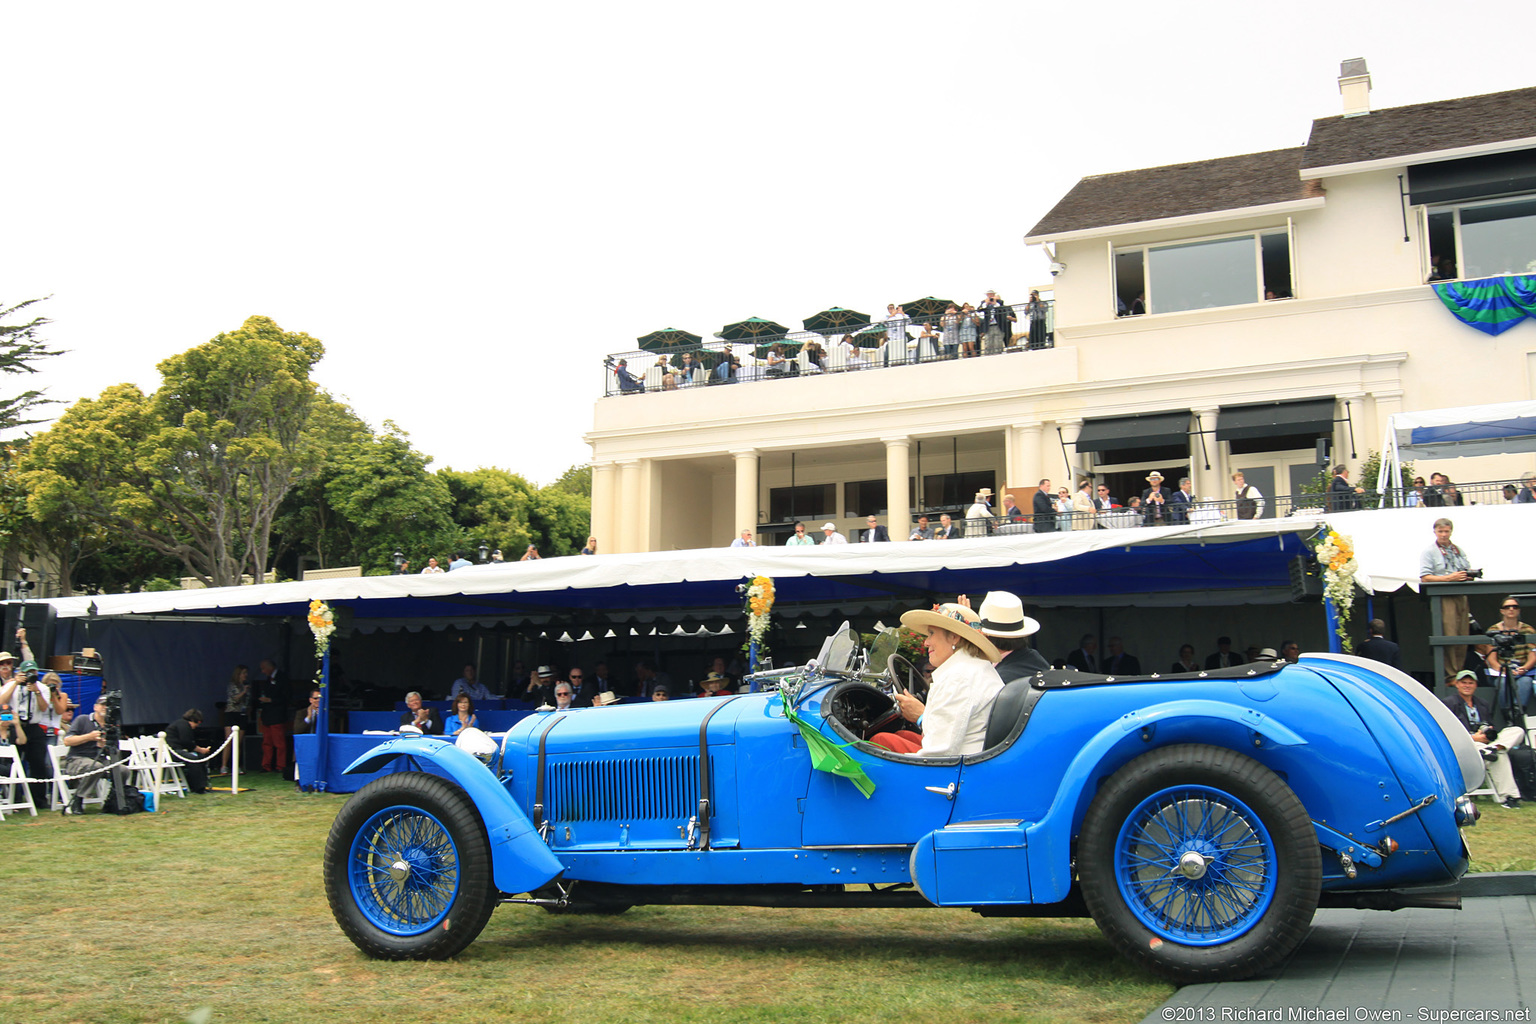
x=1200, y=864
x=408, y=868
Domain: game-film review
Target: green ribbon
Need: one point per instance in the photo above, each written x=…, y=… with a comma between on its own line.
x=827, y=756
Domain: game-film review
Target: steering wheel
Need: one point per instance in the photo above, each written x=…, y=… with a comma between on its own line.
x=898, y=672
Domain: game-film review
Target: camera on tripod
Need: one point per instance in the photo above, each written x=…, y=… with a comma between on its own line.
x=111, y=723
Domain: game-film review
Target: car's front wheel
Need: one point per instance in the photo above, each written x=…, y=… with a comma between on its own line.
x=408, y=868
x=1200, y=864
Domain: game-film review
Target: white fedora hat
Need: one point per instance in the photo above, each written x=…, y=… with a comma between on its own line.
x=1002, y=615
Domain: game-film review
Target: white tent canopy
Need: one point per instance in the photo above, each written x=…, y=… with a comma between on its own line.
x=1502, y=429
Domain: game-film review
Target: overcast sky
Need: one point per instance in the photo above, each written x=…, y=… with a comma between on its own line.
x=472, y=203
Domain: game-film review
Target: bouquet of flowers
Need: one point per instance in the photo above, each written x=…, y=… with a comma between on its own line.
x=1336, y=554
x=759, y=607
x=322, y=623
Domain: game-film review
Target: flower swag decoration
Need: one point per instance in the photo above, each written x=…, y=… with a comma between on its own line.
x=759, y=607
x=322, y=623
x=1336, y=554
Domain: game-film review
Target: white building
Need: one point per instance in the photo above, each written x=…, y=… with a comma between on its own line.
x=1285, y=300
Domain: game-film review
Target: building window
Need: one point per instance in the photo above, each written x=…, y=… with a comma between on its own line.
x=949, y=490
x=1227, y=271
x=808, y=501
x=867, y=498
x=1482, y=239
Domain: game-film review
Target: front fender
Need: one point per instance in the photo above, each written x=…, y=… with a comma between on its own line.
x=1051, y=871
x=520, y=862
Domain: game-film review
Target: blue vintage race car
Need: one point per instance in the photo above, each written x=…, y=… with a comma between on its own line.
x=1200, y=819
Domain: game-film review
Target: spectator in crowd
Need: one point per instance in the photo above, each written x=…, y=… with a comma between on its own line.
x=1034, y=312
x=272, y=710
x=564, y=698
x=715, y=684
x=1444, y=562
x=1452, y=495
x=1180, y=501
x=540, y=687
x=580, y=692
x=423, y=718
x=629, y=384
x=978, y=518
x=895, y=325
x=1063, y=508
x=1154, y=501
x=1186, y=662
x=686, y=365
x=590, y=549
x=829, y=535
x=970, y=323
x=1510, y=493
x=1043, y=508
x=306, y=718
x=1010, y=512
x=1103, y=502
x=1002, y=620
x=965, y=686
x=1522, y=660
x=601, y=680
x=34, y=707
x=650, y=679
x=459, y=562
x=237, y=697
x=1251, y=653
x=606, y=698
x=1342, y=496
x=181, y=737
x=1415, y=495
x=1250, y=503
x=1117, y=662
x=496, y=556
x=997, y=321
x=432, y=568
x=778, y=366
x=815, y=357
x=949, y=325
x=874, y=531
x=1377, y=647
x=1086, y=657
x=1477, y=717
x=850, y=353
x=89, y=753
x=947, y=529
x=661, y=692
x=922, y=531
x=1083, y=509
x=1441, y=492
x=798, y=539
x=1527, y=492
x=1290, y=651
x=461, y=717
x=1133, y=502
x=744, y=540
x=1225, y=656
x=532, y=554
x=720, y=668
x=467, y=683
x=725, y=369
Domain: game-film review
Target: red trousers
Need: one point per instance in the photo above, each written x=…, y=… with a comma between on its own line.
x=274, y=747
x=901, y=742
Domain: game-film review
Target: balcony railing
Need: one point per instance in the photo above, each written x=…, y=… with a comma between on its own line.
x=906, y=342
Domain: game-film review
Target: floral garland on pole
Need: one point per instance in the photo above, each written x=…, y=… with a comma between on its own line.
x=322, y=623
x=1336, y=553
x=759, y=609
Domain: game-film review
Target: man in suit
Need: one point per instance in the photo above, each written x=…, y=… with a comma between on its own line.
x=423, y=718
x=1086, y=657
x=1378, y=647
x=1179, y=501
x=1043, y=504
x=1154, y=500
x=874, y=532
x=1117, y=662
x=1225, y=656
x=947, y=529
x=1474, y=713
x=1010, y=511
x=1083, y=507
x=1004, y=623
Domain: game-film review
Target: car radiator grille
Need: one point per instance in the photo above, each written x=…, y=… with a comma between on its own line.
x=627, y=789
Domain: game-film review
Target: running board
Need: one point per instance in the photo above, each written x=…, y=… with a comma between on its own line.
x=1390, y=899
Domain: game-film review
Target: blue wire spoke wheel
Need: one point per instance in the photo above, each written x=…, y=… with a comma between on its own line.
x=1200, y=864
x=1196, y=864
x=408, y=868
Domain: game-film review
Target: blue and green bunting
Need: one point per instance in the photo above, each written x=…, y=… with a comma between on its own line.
x=1492, y=305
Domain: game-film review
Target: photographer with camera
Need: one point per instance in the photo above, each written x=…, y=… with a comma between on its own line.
x=34, y=708
x=1494, y=745
x=1512, y=652
x=92, y=742
x=1444, y=562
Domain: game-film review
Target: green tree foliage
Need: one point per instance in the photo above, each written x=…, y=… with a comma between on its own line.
x=308, y=527
x=381, y=488
x=20, y=348
x=577, y=480
x=198, y=470
x=491, y=507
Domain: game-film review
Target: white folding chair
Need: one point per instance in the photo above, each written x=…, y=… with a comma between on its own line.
x=159, y=764
x=63, y=792
x=15, y=794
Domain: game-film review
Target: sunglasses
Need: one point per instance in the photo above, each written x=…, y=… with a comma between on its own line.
x=1503, y=606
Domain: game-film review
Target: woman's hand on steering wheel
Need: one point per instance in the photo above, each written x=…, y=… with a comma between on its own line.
x=911, y=708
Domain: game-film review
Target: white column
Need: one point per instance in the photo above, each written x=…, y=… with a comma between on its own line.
x=1021, y=455
x=898, y=519
x=746, y=490
x=1212, y=484
x=631, y=515
x=602, y=526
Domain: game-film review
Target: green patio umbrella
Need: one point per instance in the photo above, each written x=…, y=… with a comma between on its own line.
x=835, y=319
x=751, y=329
x=924, y=307
x=667, y=338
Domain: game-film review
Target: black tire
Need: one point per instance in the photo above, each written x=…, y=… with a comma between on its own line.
x=1256, y=854
x=408, y=868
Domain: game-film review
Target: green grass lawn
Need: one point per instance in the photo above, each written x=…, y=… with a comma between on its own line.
x=216, y=904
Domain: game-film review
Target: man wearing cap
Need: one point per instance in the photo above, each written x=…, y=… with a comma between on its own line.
x=965, y=686
x=34, y=705
x=1044, y=508
x=978, y=517
x=1154, y=500
x=875, y=532
x=1002, y=620
x=1474, y=713
x=831, y=536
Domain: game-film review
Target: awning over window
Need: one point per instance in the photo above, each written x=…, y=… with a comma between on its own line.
x=1275, y=419
x=1477, y=177
x=1148, y=431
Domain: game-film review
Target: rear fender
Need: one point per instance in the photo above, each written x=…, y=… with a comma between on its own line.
x=520, y=861
x=1132, y=734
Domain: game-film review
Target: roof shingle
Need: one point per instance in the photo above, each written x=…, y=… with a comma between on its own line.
x=1422, y=128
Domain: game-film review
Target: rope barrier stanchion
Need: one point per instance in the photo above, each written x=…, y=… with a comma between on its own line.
x=234, y=760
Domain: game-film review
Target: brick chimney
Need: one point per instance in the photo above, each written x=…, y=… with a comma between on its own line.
x=1355, y=87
